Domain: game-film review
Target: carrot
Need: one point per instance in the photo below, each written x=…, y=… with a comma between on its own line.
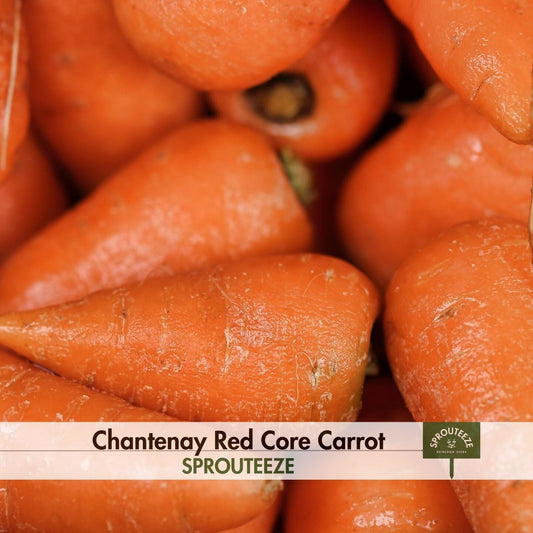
x=263, y=523
x=224, y=45
x=210, y=191
x=279, y=338
x=96, y=103
x=29, y=198
x=326, y=103
x=373, y=506
x=66, y=506
x=446, y=164
x=483, y=50
x=14, y=106
x=457, y=323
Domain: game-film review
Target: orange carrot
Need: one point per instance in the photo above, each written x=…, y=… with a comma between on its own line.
x=263, y=523
x=29, y=198
x=458, y=330
x=223, y=44
x=327, y=102
x=31, y=395
x=373, y=507
x=96, y=103
x=14, y=107
x=483, y=50
x=279, y=338
x=210, y=191
x=446, y=164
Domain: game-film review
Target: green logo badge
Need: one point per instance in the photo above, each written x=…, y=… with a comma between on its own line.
x=451, y=440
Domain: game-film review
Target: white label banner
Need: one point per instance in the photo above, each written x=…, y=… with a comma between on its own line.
x=302, y=450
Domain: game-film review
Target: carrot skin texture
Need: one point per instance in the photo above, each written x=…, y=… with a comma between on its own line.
x=209, y=192
x=440, y=324
x=279, y=338
x=262, y=523
x=18, y=113
x=208, y=45
x=95, y=128
x=30, y=197
x=373, y=507
x=491, y=505
x=63, y=506
x=458, y=330
x=483, y=50
x=446, y=164
x=351, y=70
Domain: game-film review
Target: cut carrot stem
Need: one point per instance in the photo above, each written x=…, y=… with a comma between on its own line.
x=327, y=102
x=285, y=98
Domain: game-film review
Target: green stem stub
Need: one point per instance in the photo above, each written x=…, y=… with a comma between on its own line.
x=299, y=176
x=285, y=98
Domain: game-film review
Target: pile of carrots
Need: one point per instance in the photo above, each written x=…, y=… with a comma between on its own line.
x=260, y=211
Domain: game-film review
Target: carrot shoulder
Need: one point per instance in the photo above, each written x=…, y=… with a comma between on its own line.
x=458, y=334
x=275, y=338
x=208, y=192
x=65, y=506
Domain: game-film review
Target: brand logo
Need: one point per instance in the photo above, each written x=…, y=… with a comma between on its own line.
x=451, y=440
